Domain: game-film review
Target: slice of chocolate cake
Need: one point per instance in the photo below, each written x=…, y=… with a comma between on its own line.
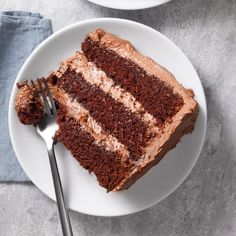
x=119, y=112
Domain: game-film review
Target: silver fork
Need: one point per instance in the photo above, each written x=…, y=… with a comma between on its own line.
x=46, y=129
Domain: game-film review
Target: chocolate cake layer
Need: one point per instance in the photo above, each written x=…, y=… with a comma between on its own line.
x=112, y=115
x=106, y=165
x=157, y=97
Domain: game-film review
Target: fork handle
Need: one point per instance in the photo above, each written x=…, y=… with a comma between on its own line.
x=63, y=212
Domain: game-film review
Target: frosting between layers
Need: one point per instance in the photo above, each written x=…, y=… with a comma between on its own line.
x=95, y=76
x=88, y=124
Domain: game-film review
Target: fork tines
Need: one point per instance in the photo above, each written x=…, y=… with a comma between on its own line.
x=50, y=109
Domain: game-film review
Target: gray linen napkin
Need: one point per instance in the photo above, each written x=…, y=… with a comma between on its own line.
x=20, y=33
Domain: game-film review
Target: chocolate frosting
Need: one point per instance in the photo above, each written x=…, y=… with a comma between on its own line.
x=28, y=106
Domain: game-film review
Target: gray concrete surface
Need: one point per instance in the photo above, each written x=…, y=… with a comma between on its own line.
x=205, y=204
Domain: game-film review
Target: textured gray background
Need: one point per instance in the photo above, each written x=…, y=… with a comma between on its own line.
x=206, y=203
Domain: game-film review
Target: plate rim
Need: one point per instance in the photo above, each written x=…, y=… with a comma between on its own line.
x=62, y=31
x=145, y=6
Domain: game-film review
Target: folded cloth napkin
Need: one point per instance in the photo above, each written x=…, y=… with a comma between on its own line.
x=20, y=33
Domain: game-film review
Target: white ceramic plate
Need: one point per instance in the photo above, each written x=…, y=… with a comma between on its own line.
x=129, y=4
x=82, y=192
